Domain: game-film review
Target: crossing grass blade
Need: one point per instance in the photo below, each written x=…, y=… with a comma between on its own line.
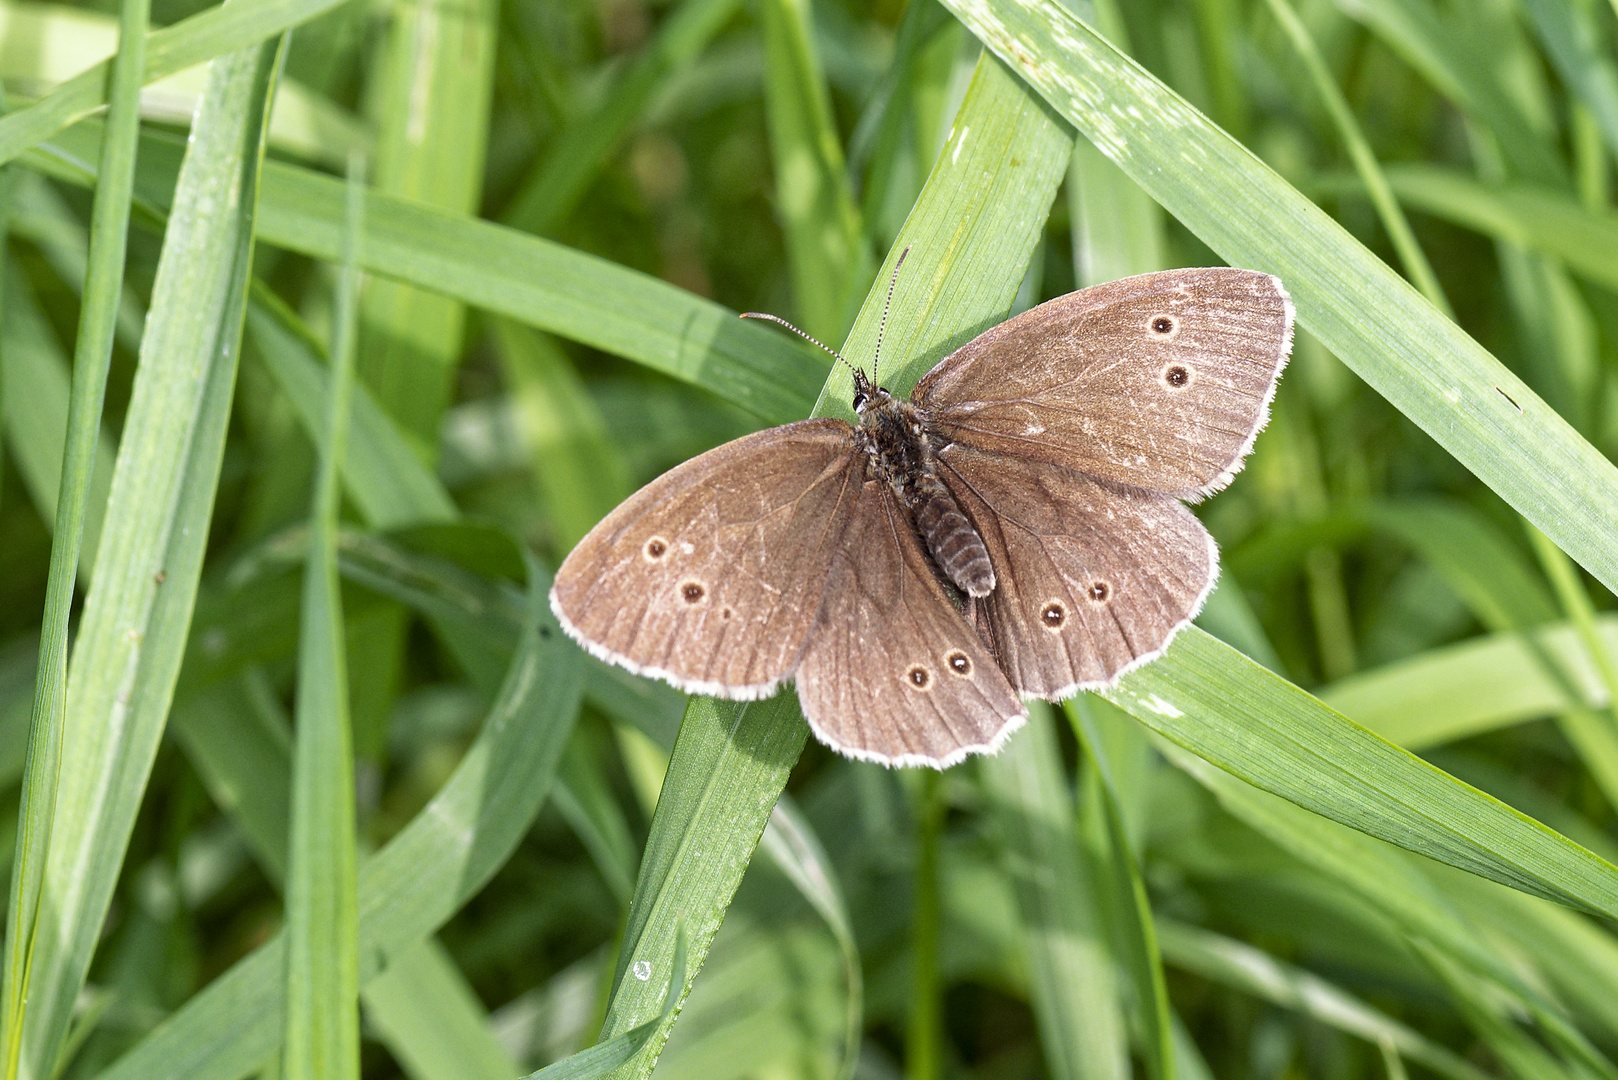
x=1362, y=311
x=218, y=31
x=133, y=630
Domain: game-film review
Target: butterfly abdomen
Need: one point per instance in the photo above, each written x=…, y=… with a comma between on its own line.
x=955, y=545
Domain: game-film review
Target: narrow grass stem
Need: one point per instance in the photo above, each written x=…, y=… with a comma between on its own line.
x=924, y=1031
x=98, y=318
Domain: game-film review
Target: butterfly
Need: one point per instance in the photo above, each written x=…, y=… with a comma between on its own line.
x=1013, y=530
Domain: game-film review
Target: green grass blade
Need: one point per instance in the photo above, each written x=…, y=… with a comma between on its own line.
x=1478, y=685
x=1569, y=35
x=1546, y=220
x=98, y=317
x=793, y=846
x=827, y=254
x=1134, y=930
x=37, y=384
x=322, y=921
x=1071, y=980
x=1216, y=703
x=1446, y=49
x=579, y=472
x=214, y=32
x=133, y=631
x=432, y=1020
x=1359, y=308
x=503, y=271
x=731, y=761
x=466, y=832
x=430, y=150
x=386, y=481
x=549, y=193
x=609, y=1054
x=1242, y=967
x=1365, y=163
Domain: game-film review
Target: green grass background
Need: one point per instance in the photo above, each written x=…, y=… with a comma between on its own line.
x=317, y=358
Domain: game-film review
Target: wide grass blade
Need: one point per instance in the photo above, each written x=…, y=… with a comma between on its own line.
x=133, y=632
x=1216, y=703
x=322, y=921
x=1360, y=309
x=731, y=762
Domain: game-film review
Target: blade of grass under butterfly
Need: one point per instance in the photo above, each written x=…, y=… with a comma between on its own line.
x=133, y=631
x=1071, y=981
x=1216, y=703
x=467, y=832
x=322, y=1037
x=1357, y=306
x=98, y=319
x=214, y=32
x=974, y=227
x=608, y=1054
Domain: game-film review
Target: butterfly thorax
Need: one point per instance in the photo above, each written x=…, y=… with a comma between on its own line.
x=902, y=450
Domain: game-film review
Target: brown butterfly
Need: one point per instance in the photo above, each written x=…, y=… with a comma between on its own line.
x=1015, y=528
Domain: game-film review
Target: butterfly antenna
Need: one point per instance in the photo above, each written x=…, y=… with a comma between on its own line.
x=888, y=303
x=813, y=341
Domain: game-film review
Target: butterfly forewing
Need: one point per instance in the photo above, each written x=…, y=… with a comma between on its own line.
x=893, y=672
x=1093, y=577
x=1158, y=381
x=711, y=576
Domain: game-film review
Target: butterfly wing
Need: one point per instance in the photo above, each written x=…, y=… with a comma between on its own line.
x=893, y=672
x=711, y=575
x=1160, y=381
x=1093, y=578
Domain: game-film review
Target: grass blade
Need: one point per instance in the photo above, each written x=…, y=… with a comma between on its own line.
x=1075, y=995
x=98, y=319
x=467, y=832
x=214, y=32
x=827, y=254
x=1223, y=707
x=1359, y=308
x=322, y=921
x=1239, y=965
x=133, y=632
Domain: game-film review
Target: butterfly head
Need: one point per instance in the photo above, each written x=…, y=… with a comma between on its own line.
x=866, y=393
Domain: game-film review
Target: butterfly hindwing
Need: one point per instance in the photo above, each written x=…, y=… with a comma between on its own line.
x=893, y=672
x=1093, y=577
x=1158, y=381
x=711, y=576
